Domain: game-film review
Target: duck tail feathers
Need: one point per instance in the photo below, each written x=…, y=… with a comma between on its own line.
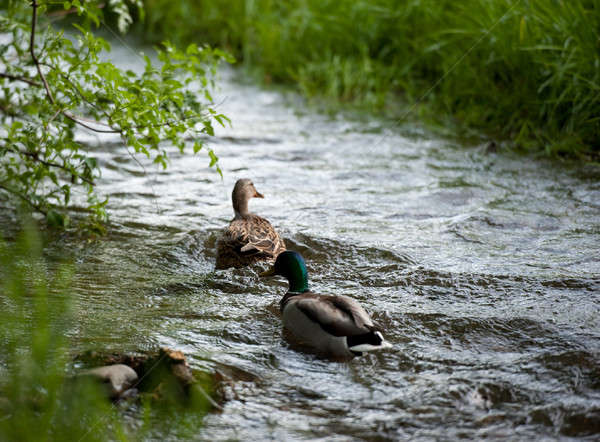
x=368, y=342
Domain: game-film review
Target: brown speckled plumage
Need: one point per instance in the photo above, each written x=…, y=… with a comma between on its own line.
x=249, y=238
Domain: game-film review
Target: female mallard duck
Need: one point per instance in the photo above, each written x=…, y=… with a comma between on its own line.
x=333, y=325
x=249, y=238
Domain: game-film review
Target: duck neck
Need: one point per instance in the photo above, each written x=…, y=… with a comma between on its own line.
x=298, y=280
x=240, y=207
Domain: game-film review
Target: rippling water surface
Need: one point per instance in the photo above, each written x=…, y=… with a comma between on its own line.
x=483, y=269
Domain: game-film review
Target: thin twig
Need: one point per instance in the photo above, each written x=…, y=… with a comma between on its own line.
x=67, y=78
x=37, y=158
x=53, y=117
x=20, y=78
x=34, y=6
x=24, y=198
x=38, y=66
x=61, y=14
x=78, y=119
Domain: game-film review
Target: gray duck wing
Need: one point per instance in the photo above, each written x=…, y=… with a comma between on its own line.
x=337, y=315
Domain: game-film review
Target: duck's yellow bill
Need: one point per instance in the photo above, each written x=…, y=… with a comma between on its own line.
x=269, y=272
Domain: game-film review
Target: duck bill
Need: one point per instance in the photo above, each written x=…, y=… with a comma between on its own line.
x=257, y=194
x=266, y=273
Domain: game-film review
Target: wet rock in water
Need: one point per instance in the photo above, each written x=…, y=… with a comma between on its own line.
x=179, y=366
x=118, y=378
x=164, y=375
x=491, y=147
x=229, y=379
x=167, y=375
x=582, y=424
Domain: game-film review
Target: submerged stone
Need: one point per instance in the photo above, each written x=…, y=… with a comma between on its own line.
x=118, y=378
x=164, y=376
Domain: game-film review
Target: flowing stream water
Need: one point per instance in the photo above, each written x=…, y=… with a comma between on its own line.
x=482, y=269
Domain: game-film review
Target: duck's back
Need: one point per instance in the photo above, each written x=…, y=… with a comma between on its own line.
x=247, y=240
x=323, y=322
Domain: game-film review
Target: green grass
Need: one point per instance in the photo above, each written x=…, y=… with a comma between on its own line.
x=522, y=70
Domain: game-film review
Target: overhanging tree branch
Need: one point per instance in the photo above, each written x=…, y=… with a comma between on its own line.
x=20, y=78
x=75, y=118
x=24, y=198
x=35, y=157
x=59, y=87
x=34, y=6
x=38, y=66
x=78, y=119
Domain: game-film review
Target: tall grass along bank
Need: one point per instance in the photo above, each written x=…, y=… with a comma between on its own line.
x=526, y=71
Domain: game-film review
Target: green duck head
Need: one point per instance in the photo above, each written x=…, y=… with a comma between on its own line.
x=291, y=266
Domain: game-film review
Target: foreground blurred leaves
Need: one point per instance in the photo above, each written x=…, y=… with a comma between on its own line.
x=36, y=402
x=41, y=395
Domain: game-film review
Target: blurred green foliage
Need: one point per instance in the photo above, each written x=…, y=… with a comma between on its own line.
x=37, y=398
x=524, y=70
x=41, y=396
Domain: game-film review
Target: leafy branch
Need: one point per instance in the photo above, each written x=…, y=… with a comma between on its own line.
x=50, y=92
x=18, y=78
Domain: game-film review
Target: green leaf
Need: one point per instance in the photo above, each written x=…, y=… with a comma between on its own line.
x=208, y=129
x=91, y=162
x=213, y=158
x=191, y=49
x=56, y=219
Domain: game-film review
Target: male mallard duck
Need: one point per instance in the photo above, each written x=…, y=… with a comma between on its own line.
x=249, y=238
x=333, y=325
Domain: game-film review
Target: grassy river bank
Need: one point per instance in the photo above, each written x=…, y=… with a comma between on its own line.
x=519, y=71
